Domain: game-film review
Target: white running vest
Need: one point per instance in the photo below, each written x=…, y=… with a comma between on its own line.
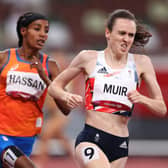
x=111, y=86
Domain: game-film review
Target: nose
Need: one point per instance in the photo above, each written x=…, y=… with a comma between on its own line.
x=43, y=33
x=126, y=38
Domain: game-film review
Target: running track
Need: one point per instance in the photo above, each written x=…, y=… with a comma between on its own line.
x=133, y=162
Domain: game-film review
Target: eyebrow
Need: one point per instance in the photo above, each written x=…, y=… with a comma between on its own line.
x=38, y=24
x=123, y=31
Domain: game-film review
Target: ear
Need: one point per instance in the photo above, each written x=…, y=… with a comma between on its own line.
x=107, y=33
x=23, y=31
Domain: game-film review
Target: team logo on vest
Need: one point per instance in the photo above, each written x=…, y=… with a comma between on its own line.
x=102, y=70
x=14, y=67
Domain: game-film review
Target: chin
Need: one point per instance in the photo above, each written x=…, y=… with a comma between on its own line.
x=124, y=51
x=39, y=47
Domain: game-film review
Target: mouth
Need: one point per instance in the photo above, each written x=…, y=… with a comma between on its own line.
x=41, y=42
x=124, y=47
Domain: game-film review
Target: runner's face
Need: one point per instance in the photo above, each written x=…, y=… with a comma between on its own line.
x=36, y=34
x=121, y=38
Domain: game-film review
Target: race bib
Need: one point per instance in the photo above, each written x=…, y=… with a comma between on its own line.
x=113, y=88
x=24, y=84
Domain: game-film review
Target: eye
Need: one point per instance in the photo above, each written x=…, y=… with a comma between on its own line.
x=37, y=28
x=46, y=31
x=122, y=32
x=131, y=34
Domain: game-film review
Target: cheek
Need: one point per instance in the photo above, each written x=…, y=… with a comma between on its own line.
x=31, y=39
x=115, y=41
x=31, y=36
x=46, y=37
x=131, y=41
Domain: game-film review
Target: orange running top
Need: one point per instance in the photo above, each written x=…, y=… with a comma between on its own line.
x=22, y=95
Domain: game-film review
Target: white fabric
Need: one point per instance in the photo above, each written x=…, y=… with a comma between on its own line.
x=9, y=158
x=25, y=84
x=114, y=84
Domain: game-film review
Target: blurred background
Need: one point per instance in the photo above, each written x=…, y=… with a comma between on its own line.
x=79, y=24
